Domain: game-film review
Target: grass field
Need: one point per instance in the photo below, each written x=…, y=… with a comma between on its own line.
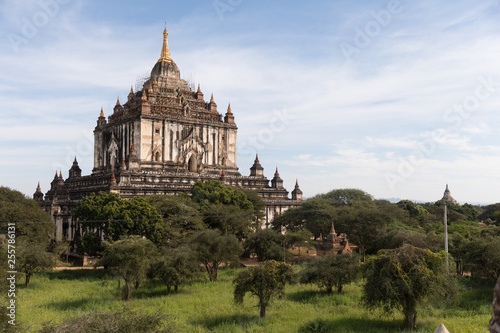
x=208, y=307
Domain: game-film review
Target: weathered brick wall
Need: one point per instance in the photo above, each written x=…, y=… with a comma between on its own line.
x=495, y=321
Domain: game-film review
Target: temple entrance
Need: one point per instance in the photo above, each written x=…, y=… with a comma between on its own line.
x=193, y=164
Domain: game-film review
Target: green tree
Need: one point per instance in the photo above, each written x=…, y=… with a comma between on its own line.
x=32, y=258
x=402, y=278
x=130, y=258
x=181, y=218
x=265, y=244
x=347, y=196
x=265, y=281
x=212, y=249
x=110, y=217
x=175, y=267
x=32, y=224
x=482, y=257
x=333, y=270
x=212, y=192
x=229, y=219
x=299, y=238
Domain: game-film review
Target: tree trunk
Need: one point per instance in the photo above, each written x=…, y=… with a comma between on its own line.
x=495, y=320
x=136, y=285
x=262, y=310
x=329, y=289
x=168, y=289
x=126, y=291
x=28, y=276
x=410, y=321
x=176, y=288
x=339, y=288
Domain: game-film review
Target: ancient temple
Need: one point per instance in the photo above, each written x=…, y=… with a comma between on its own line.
x=163, y=139
x=335, y=244
x=447, y=196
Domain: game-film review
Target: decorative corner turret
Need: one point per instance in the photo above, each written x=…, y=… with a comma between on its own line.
x=199, y=94
x=229, y=118
x=297, y=193
x=257, y=170
x=131, y=94
x=38, y=195
x=212, y=106
x=75, y=170
x=277, y=182
x=101, y=121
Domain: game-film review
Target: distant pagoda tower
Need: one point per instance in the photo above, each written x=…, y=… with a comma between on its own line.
x=447, y=196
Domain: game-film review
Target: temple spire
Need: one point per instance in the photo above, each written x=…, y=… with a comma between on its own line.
x=102, y=113
x=165, y=52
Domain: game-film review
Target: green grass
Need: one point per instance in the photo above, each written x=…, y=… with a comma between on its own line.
x=208, y=307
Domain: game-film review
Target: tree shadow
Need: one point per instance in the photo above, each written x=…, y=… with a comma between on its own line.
x=361, y=325
x=78, y=274
x=242, y=320
x=307, y=296
x=81, y=303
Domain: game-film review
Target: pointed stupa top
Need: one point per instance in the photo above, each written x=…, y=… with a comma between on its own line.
x=38, y=188
x=118, y=101
x=441, y=329
x=296, y=182
x=60, y=175
x=199, y=89
x=212, y=98
x=276, y=174
x=447, y=196
x=165, y=52
x=257, y=158
x=332, y=230
x=131, y=90
x=102, y=113
x=229, y=108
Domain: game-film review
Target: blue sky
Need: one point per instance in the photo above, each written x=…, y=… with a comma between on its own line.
x=396, y=98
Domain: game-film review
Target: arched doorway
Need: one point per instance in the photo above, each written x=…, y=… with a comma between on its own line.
x=192, y=164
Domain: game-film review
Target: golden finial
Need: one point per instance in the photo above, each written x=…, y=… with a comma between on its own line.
x=199, y=90
x=118, y=101
x=155, y=81
x=212, y=98
x=144, y=97
x=102, y=113
x=229, y=108
x=165, y=52
x=131, y=90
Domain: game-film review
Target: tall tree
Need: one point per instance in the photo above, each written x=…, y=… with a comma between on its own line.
x=229, y=219
x=130, y=258
x=175, y=267
x=110, y=217
x=402, y=278
x=181, y=217
x=32, y=258
x=265, y=281
x=212, y=192
x=265, y=244
x=32, y=224
x=212, y=249
x=333, y=270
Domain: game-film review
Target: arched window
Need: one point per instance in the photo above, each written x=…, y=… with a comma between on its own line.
x=193, y=164
x=157, y=156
